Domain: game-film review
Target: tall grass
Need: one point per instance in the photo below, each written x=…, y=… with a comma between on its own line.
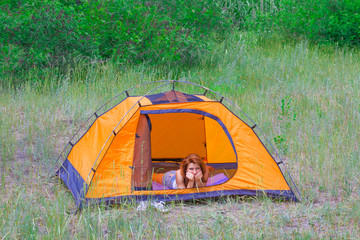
x=271, y=81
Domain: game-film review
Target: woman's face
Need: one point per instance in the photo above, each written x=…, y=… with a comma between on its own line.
x=193, y=168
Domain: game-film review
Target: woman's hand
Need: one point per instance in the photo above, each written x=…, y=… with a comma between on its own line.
x=190, y=176
x=198, y=176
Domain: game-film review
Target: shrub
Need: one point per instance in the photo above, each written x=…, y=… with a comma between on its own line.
x=324, y=21
x=37, y=34
x=344, y=23
x=41, y=34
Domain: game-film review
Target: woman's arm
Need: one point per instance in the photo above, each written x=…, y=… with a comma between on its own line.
x=191, y=178
x=199, y=182
x=180, y=180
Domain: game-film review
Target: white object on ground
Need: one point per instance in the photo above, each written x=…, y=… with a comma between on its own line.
x=142, y=206
x=158, y=205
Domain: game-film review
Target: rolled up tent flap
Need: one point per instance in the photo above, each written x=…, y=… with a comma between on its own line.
x=142, y=165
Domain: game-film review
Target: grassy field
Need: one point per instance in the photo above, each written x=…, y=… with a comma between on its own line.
x=305, y=98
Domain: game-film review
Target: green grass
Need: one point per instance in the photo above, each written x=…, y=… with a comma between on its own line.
x=305, y=93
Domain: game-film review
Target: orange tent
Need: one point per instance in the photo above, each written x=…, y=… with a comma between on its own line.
x=129, y=146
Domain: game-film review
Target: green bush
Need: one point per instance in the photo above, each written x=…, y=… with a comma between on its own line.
x=324, y=21
x=41, y=34
x=157, y=31
x=38, y=34
x=244, y=13
x=344, y=23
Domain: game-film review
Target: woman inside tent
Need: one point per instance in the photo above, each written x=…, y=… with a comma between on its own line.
x=192, y=173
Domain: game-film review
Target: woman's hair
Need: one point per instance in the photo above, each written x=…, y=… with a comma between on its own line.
x=194, y=158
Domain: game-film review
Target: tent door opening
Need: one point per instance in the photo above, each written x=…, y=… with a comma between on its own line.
x=163, y=139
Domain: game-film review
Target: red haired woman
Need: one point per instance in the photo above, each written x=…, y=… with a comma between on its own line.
x=192, y=173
